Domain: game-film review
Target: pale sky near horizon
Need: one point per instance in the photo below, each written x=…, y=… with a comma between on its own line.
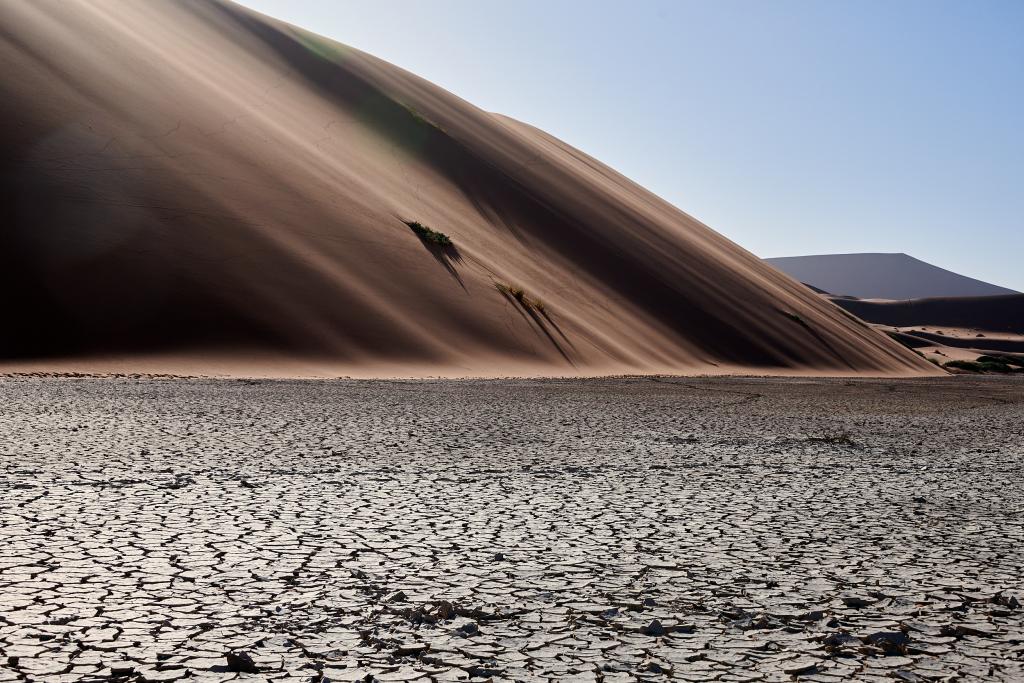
x=792, y=127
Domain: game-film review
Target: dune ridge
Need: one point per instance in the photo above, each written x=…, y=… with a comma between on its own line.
x=197, y=185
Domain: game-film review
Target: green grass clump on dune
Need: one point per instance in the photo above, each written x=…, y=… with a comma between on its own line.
x=429, y=235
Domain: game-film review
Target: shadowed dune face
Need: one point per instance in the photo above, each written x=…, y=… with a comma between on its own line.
x=991, y=313
x=191, y=178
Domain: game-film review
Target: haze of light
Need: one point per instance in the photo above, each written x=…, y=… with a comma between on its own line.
x=793, y=128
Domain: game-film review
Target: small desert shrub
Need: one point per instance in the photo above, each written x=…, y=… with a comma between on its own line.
x=425, y=233
x=968, y=365
x=1001, y=368
x=980, y=365
x=1005, y=360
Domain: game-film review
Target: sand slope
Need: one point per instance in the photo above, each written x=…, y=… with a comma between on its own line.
x=882, y=276
x=197, y=184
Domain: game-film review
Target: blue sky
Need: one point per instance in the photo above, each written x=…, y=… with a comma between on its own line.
x=791, y=127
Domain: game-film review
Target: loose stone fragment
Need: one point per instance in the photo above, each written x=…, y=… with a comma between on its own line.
x=654, y=628
x=411, y=649
x=396, y=596
x=801, y=667
x=241, y=662
x=891, y=642
x=856, y=601
x=469, y=628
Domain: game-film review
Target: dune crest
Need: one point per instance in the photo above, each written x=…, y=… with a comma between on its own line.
x=195, y=183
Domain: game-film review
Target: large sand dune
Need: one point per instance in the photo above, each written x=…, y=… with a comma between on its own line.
x=195, y=186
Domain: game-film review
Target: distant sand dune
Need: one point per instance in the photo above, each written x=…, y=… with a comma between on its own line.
x=194, y=185
x=882, y=276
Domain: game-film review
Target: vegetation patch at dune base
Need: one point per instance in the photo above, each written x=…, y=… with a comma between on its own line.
x=1005, y=360
x=982, y=365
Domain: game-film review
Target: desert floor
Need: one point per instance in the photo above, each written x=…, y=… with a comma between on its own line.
x=614, y=529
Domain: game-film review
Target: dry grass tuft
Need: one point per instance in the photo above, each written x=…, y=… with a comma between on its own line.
x=519, y=294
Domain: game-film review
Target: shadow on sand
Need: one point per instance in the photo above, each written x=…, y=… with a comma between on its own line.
x=447, y=255
x=814, y=333
x=540, y=317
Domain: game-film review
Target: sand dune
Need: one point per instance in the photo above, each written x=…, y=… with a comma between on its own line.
x=193, y=185
x=882, y=276
x=977, y=313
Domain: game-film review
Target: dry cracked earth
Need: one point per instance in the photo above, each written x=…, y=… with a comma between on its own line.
x=597, y=530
